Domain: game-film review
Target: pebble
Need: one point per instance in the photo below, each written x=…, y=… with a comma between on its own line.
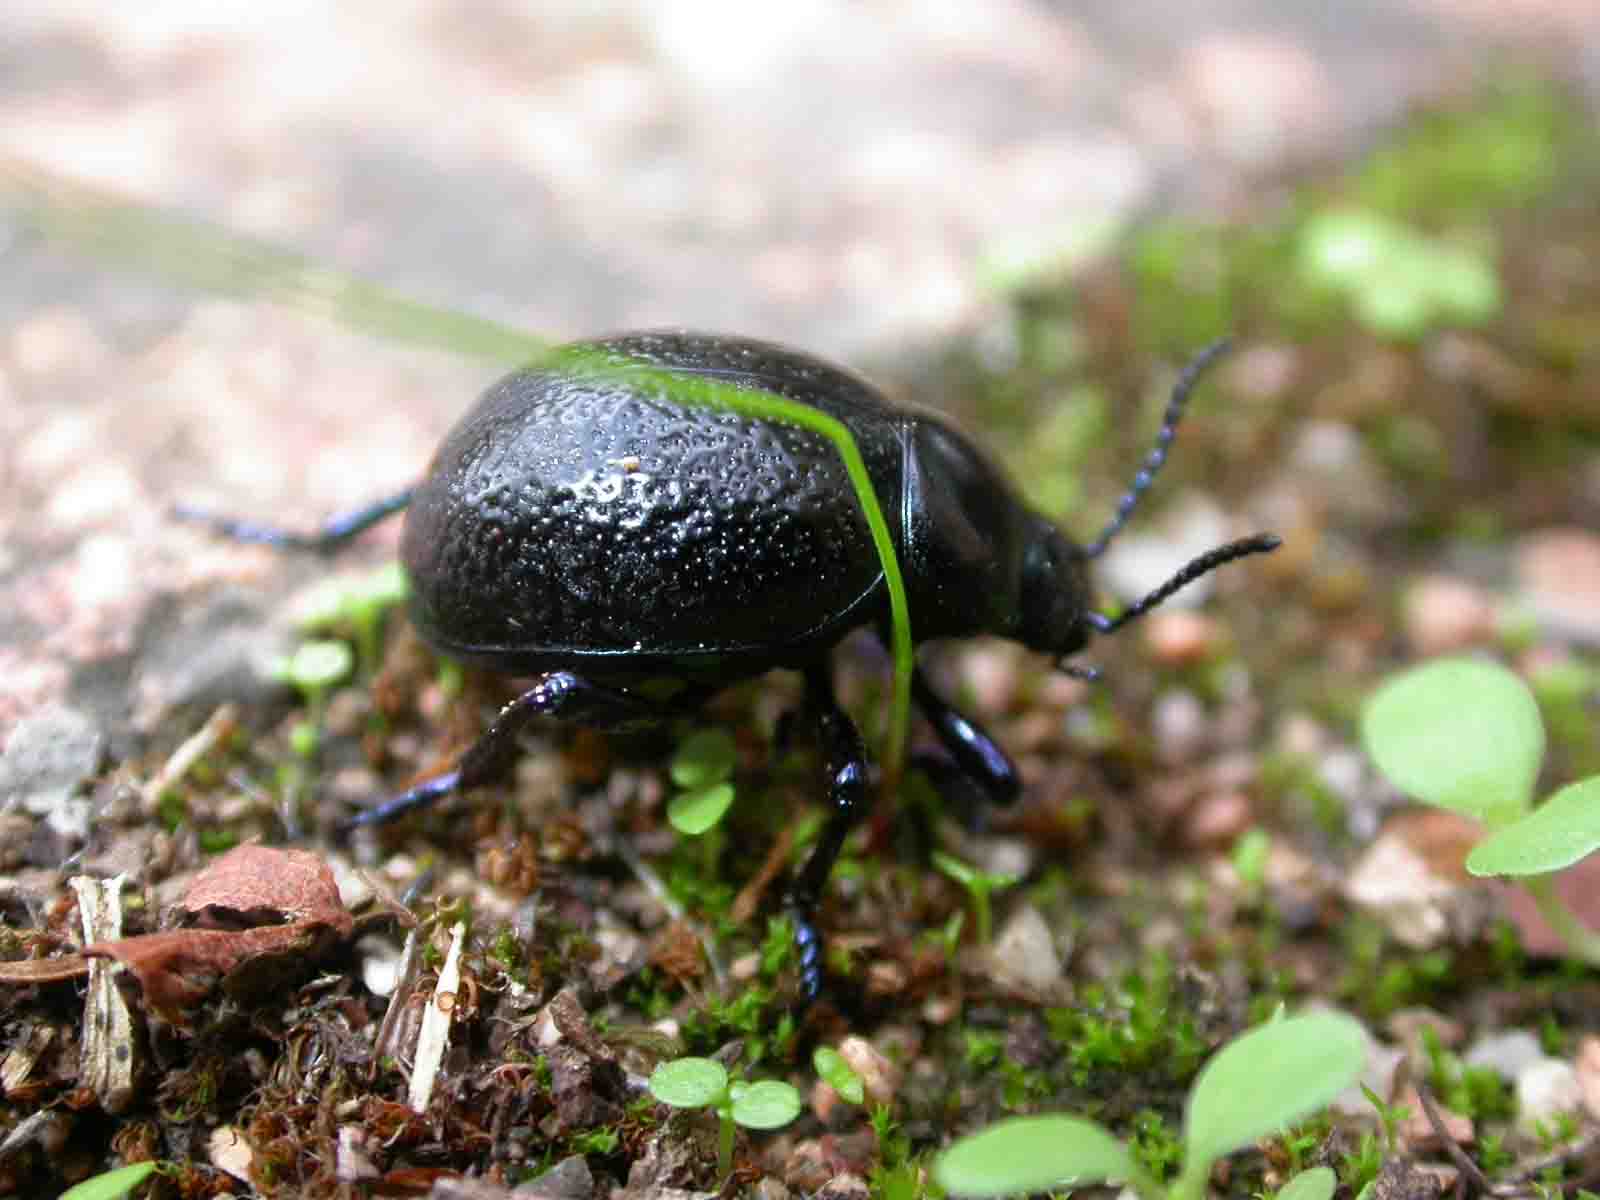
x=47, y=758
x=1558, y=574
x=1177, y=637
x=1395, y=884
x=1024, y=955
x=1217, y=820
x=1444, y=614
x=1507, y=1053
x=879, y=1076
x=1587, y=1064
x=1545, y=1089
x=1178, y=721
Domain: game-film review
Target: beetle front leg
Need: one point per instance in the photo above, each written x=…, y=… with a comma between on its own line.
x=561, y=695
x=977, y=754
x=844, y=758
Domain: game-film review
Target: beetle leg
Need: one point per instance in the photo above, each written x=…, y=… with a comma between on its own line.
x=333, y=534
x=976, y=753
x=844, y=758
x=562, y=695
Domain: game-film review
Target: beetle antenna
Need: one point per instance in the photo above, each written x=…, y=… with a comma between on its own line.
x=1153, y=462
x=1261, y=543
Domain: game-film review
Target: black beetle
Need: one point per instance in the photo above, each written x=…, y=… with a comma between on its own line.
x=637, y=554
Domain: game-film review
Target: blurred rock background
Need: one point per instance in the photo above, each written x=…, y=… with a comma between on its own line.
x=849, y=177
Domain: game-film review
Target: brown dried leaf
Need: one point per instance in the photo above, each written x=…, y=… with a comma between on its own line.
x=177, y=968
x=257, y=882
x=44, y=970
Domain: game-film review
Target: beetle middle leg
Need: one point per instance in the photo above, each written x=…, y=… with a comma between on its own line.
x=561, y=695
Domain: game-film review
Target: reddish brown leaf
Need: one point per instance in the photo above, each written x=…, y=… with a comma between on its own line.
x=177, y=968
x=254, y=881
x=44, y=970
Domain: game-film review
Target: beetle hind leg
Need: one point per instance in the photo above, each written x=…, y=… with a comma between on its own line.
x=561, y=695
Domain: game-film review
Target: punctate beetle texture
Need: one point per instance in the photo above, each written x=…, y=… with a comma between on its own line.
x=635, y=553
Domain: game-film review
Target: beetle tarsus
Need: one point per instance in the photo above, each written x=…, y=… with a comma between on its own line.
x=335, y=531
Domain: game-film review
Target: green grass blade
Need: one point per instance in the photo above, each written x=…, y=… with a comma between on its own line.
x=199, y=255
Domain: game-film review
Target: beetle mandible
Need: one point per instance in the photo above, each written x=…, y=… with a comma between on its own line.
x=636, y=554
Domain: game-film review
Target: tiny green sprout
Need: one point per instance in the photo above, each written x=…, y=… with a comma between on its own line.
x=704, y=1083
x=839, y=1075
x=1261, y=1081
x=1466, y=735
x=313, y=670
x=1316, y=1184
x=979, y=885
x=1250, y=857
x=355, y=606
x=702, y=768
x=1399, y=283
x=110, y=1185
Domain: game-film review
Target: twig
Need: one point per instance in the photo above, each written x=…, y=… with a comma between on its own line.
x=1469, y=1169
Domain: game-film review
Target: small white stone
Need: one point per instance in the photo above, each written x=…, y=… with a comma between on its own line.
x=1024, y=955
x=1546, y=1089
x=1507, y=1054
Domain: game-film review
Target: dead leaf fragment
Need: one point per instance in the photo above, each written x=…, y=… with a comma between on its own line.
x=250, y=884
x=264, y=882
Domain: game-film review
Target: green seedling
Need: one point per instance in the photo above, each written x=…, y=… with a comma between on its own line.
x=1258, y=1083
x=314, y=670
x=702, y=769
x=110, y=1185
x=1398, y=283
x=704, y=1083
x=1466, y=735
x=357, y=607
x=839, y=1075
x=979, y=885
x=1250, y=854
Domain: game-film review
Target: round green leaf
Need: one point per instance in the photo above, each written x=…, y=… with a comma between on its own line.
x=693, y=813
x=838, y=1074
x=1340, y=249
x=689, y=1082
x=1393, y=305
x=1267, y=1078
x=1557, y=834
x=1032, y=1154
x=767, y=1104
x=1465, y=285
x=111, y=1185
x=1458, y=733
x=1316, y=1184
x=705, y=757
x=317, y=666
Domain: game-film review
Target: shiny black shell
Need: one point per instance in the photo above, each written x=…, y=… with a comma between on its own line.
x=592, y=520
